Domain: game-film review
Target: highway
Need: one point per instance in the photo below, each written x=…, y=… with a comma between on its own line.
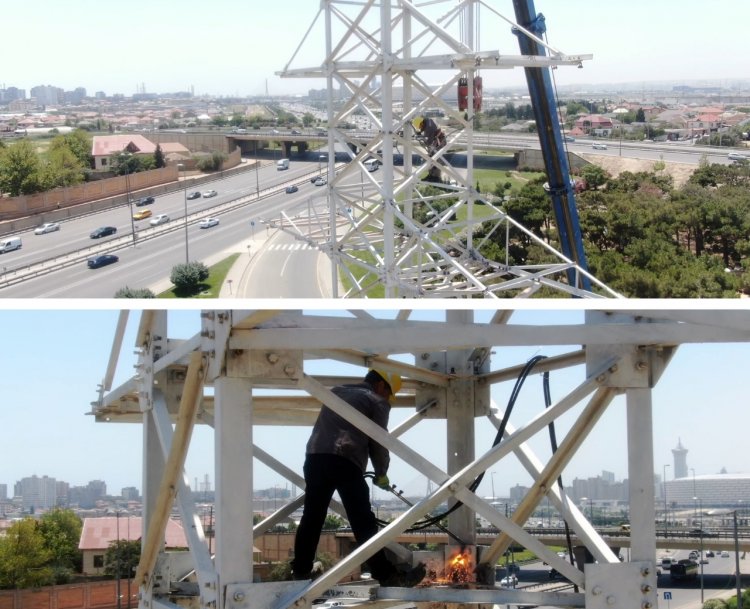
x=150, y=257
x=58, y=259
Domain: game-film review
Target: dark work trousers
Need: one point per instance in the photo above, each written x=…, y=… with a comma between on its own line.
x=325, y=474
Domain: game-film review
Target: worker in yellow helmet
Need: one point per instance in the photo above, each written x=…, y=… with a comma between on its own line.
x=335, y=461
x=431, y=132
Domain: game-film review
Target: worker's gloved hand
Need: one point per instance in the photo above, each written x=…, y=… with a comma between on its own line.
x=383, y=482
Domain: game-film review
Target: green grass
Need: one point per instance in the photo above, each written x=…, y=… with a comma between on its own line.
x=212, y=286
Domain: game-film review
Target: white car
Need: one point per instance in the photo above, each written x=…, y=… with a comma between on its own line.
x=208, y=222
x=736, y=156
x=160, y=219
x=320, y=182
x=47, y=228
x=598, y=146
x=209, y=193
x=724, y=554
x=509, y=581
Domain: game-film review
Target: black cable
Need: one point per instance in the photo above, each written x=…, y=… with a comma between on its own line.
x=435, y=520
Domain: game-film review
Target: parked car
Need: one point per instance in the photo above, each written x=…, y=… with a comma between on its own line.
x=142, y=215
x=102, y=260
x=599, y=146
x=144, y=201
x=103, y=231
x=208, y=222
x=291, y=189
x=194, y=195
x=47, y=227
x=160, y=219
x=209, y=193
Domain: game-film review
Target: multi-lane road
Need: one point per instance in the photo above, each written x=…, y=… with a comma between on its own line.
x=53, y=265
x=58, y=259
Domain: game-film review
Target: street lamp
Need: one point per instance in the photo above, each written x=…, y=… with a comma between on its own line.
x=181, y=167
x=696, y=499
x=664, y=482
x=737, y=576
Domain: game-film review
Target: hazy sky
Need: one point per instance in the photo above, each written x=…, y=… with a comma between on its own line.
x=52, y=361
x=234, y=47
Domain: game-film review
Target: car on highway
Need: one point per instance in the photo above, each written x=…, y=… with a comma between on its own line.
x=142, y=215
x=320, y=182
x=208, y=222
x=724, y=554
x=709, y=553
x=736, y=156
x=509, y=581
x=568, y=138
x=295, y=132
x=144, y=201
x=599, y=146
x=209, y=193
x=291, y=189
x=103, y=231
x=101, y=260
x=194, y=195
x=47, y=227
x=160, y=219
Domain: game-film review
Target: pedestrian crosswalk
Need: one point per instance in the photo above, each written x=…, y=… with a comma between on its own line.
x=290, y=247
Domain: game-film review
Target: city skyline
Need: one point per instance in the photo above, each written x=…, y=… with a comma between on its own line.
x=241, y=48
x=59, y=357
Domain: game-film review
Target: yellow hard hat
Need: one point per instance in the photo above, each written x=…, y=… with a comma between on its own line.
x=393, y=380
x=417, y=122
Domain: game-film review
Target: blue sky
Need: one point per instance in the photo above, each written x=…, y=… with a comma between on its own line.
x=233, y=47
x=53, y=360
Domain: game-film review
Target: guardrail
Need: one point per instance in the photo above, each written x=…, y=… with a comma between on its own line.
x=56, y=263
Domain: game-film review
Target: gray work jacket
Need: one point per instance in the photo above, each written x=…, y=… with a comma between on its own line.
x=335, y=436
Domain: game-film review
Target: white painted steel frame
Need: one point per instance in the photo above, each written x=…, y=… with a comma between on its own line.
x=438, y=257
x=624, y=352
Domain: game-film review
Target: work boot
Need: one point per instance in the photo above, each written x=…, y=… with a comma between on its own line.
x=408, y=579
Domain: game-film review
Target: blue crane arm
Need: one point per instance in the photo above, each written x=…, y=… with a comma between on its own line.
x=550, y=138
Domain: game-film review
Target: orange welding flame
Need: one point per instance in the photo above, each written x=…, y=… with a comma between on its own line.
x=459, y=569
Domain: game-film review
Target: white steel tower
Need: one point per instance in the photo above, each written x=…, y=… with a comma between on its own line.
x=418, y=226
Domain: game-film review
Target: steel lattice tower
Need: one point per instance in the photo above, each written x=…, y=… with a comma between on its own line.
x=394, y=227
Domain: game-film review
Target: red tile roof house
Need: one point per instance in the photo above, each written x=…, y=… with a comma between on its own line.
x=594, y=124
x=104, y=147
x=98, y=533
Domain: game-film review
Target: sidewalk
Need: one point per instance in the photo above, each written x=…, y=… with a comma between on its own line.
x=235, y=283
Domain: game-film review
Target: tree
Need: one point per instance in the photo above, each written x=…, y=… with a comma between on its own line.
x=61, y=530
x=23, y=557
x=127, y=292
x=159, y=161
x=79, y=144
x=640, y=116
x=594, y=176
x=19, y=169
x=121, y=557
x=187, y=278
x=62, y=168
x=332, y=522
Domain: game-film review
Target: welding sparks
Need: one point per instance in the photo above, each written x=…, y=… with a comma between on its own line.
x=459, y=569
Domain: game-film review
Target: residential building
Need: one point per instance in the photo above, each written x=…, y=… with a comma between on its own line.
x=105, y=147
x=98, y=533
x=36, y=493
